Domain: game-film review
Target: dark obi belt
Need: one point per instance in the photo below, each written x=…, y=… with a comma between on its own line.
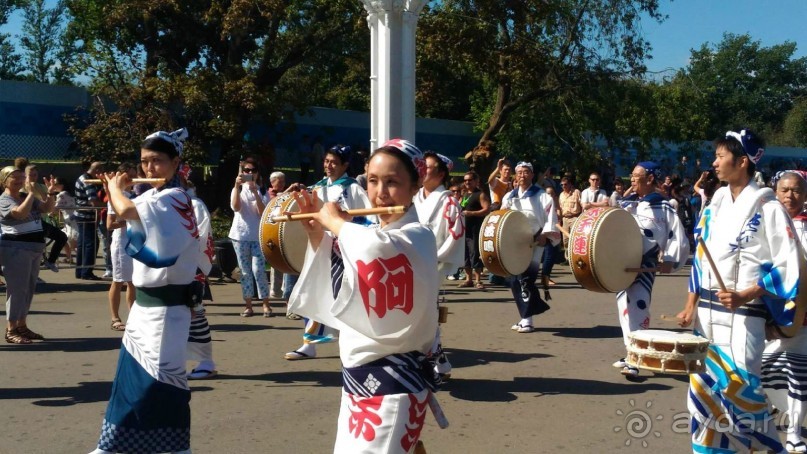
x=167, y=295
x=709, y=300
x=402, y=373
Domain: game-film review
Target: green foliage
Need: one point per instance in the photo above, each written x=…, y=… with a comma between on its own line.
x=794, y=130
x=532, y=67
x=41, y=30
x=212, y=66
x=745, y=84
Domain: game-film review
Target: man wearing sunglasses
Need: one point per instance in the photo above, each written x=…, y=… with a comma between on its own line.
x=593, y=196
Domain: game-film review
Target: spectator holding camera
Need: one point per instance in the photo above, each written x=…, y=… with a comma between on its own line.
x=248, y=200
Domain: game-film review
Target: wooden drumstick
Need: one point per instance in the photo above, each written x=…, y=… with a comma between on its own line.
x=642, y=270
x=669, y=318
x=134, y=180
x=356, y=212
x=712, y=264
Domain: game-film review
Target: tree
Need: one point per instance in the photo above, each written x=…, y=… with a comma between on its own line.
x=530, y=55
x=42, y=29
x=745, y=84
x=10, y=67
x=214, y=66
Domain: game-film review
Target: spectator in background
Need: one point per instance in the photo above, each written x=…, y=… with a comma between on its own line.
x=500, y=181
x=21, y=249
x=248, y=200
x=52, y=232
x=593, y=196
x=475, y=206
x=548, y=180
x=618, y=194
x=122, y=265
x=86, y=219
x=70, y=229
x=666, y=187
x=570, y=206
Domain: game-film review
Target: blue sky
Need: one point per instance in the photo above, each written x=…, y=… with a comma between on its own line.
x=692, y=23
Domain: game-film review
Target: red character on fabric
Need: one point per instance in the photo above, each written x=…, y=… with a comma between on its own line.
x=185, y=211
x=456, y=221
x=210, y=248
x=386, y=285
x=417, y=414
x=364, y=417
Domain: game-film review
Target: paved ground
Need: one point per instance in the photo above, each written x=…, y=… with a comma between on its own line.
x=550, y=391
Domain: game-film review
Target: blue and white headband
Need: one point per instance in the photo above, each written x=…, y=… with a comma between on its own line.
x=446, y=160
x=751, y=146
x=176, y=138
x=343, y=151
x=525, y=164
x=651, y=168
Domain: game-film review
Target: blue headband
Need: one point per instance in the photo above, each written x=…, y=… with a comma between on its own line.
x=651, y=168
x=752, y=148
x=343, y=151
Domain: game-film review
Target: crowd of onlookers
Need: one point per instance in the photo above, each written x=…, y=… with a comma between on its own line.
x=81, y=223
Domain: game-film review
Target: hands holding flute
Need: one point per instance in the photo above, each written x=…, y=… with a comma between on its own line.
x=328, y=216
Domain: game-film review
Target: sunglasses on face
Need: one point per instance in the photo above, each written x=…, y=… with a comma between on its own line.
x=249, y=170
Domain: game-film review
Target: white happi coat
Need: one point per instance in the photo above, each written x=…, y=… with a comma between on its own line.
x=441, y=212
x=379, y=310
x=539, y=207
x=344, y=190
x=206, y=246
x=660, y=227
x=165, y=242
x=758, y=229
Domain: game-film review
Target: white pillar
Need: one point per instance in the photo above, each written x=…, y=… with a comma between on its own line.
x=393, y=25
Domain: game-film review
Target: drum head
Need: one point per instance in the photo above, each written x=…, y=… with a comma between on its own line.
x=617, y=245
x=505, y=242
x=283, y=243
x=665, y=335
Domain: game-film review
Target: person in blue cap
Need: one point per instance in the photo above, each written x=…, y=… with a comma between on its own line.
x=664, y=245
x=337, y=187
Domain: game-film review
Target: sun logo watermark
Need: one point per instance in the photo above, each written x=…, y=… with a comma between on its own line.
x=638, y=424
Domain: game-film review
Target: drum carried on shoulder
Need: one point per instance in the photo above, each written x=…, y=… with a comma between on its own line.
x=605, y=249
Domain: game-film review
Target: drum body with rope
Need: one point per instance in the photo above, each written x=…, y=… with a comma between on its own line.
x=283, y=243
x=603, y=243
x=506, y=243
x=667, y=352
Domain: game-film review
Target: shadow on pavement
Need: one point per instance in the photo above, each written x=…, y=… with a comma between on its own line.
x=236, y=328
x=595, y=332
x=469, y=358
x=89, y=344
x=293, y=378
x=84, y=392
x=81, y=286
x=505, y=391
